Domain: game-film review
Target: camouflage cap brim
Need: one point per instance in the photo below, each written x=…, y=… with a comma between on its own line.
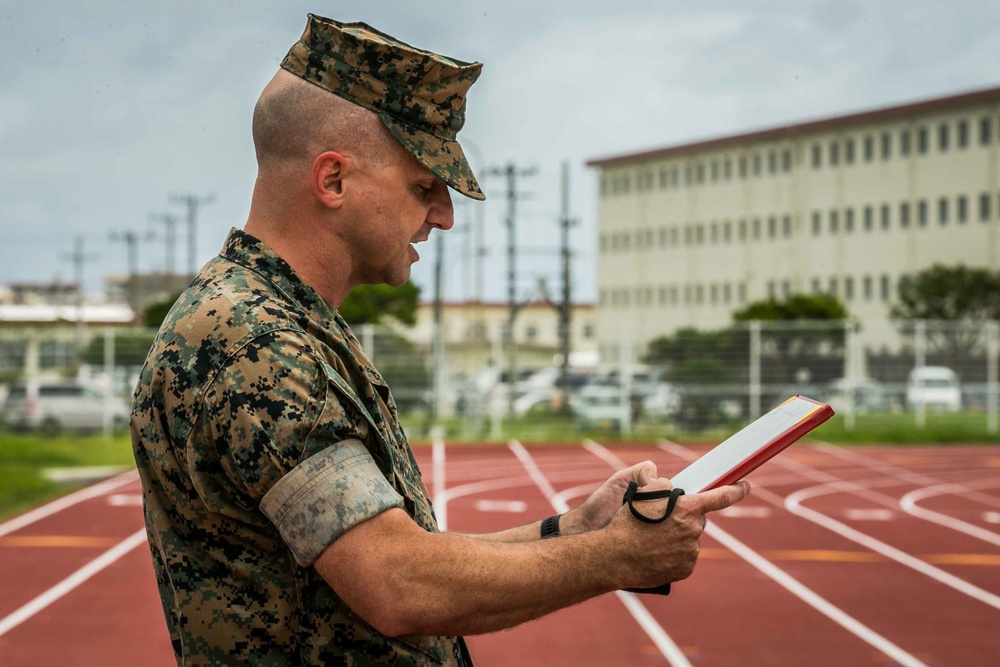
x=444, y=158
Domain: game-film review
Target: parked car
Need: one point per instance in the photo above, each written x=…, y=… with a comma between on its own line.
x=54, y=405
x=860, y=394
x=934, y=388
x=663, y=403
x=599, y=406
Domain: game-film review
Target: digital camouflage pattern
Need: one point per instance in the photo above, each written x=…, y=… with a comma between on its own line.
x=253, y=379
x=419, y=95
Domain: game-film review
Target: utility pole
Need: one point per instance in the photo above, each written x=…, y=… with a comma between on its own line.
x=192, y=203
x=511, y=172
x=79, y=258
x=170, y=222
x=566, y=307
x=436, y=408
x=131, y=240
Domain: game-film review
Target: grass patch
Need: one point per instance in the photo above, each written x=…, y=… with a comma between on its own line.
x=23, y=457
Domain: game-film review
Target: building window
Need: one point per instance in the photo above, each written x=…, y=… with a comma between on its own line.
x=756, y=229
x=664, y=176
x=943, y=137
x=786, y=289
x=962, y=133
x=713, y=294
x=727, y=169
x=834, y=222
x=833, y=287
x=786, y=160
x=770, y=290
x=985, y=130
x=817, y=157
x=588, y=331
x=663, y=237
x=772, y=162
x=922, y=140
x=834, y=153
x=962, y=209
x=743, y=166
x=849, y=288
x=743, y=230
x=866, y=287
x=675, y=176
x=700, y=234
x=741, y=292
x=885, y=288
x=869, y=218
x=885, y=217
x=869, y=148
x=726, y=293
x=756, y=164
x=886, y=145
x=786, y=226
x=715, y=232
x=715, y=171
x=904, y=143
x=700, y=173
x=922, y=213
x=816, y=287
x=675, y=237
x=674, y=295
x=849, y=151
x=699, y=294
x=943, y=211
x=984, y=207
x=817, y=223
x=727, y=231
x=904, y=214
x=849, y=221
x=530, y=333
x=772, y=228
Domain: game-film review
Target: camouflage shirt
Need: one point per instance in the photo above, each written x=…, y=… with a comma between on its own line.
x=261, y=433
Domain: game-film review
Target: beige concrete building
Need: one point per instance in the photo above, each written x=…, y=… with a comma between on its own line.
x=473, y=332
x=849, y=205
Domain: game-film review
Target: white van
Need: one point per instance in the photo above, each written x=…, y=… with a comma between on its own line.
x=934, y=388
x=55, y=405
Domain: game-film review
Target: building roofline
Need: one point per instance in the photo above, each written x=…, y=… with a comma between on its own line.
x=790, y=131
x=498, y=304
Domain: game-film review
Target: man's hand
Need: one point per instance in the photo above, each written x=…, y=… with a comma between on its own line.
x=597, y=510
x=665, y=552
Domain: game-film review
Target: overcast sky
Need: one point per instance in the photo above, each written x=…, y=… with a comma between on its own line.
x=107, y=107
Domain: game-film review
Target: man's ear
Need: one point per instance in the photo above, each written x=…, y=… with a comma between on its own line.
x=328, y=172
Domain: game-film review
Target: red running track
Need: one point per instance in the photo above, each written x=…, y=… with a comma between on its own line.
x=868, y=556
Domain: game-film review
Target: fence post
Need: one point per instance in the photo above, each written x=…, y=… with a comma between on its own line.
x=992, y=357
x=493, y=403
x=368, y=341
x=32, y=354
x=625, y=354
x=920, y=350
x=850, y=377
x=755, y=387
x=109, y=373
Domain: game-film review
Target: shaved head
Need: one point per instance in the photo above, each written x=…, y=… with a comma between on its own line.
x=294, y=121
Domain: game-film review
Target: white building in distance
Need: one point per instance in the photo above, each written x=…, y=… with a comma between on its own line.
x=849, y=205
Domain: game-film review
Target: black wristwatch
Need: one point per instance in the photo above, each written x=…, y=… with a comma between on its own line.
x=550, y=527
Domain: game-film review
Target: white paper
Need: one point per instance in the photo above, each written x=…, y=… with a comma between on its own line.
x=736, y=449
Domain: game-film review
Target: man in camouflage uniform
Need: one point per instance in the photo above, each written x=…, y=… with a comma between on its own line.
x=287, y=519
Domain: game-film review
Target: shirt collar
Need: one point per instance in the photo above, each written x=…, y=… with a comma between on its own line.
x=249, y=251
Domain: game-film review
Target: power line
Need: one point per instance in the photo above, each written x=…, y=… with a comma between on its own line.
x=192, y=203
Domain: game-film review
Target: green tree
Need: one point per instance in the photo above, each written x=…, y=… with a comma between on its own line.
x=958, y=297
x=155, y=313
x=953, y=293
x=369, y=304
x=809, y=323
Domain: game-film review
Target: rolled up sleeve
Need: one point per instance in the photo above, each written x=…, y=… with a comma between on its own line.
x=326, y=495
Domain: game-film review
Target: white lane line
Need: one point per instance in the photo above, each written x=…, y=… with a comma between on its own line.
x=910, y=500
x=793, y=504
x=65, y=586
x=646, y=621
x=817, y=602
x=991, y=517
x=60, y=504
x=864, y=514
x=737, y=512
x=515, y=506
x=796, y=588
x=438, y=501
x=125, y=500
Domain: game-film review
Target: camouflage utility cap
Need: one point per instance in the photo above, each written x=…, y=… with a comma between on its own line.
x=419, y=95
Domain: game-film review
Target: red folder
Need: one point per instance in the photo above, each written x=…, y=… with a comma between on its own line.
x=745, y=451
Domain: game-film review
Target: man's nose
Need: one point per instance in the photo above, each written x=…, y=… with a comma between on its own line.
x=442, y=212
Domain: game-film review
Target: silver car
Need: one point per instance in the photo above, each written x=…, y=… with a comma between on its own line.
x=55, y=405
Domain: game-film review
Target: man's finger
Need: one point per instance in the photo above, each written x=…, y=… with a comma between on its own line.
x=643, y=473
x=722, y=497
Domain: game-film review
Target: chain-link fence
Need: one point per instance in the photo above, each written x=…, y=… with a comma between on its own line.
x=875, y=375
